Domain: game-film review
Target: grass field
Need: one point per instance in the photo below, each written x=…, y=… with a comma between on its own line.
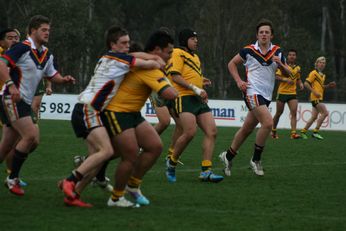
x=304, y=188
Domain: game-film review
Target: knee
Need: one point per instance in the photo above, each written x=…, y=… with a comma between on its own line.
x=32, y=142
x=267, y=124
x=212, y=133
x=107, y=152
x=165, y=122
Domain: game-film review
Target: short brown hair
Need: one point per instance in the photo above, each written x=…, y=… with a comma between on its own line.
x=36, y=21
x=113, y=34
x=265, y=22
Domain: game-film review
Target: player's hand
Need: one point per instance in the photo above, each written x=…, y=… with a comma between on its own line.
x=301, y=86
x=204, y=96
x=276, y=59
x=289, y=81
x=206, y=82
x=49, y=91
x=69, y=79
x=14, y=92
x=332, y=84
x=242, y=85
x=318, y=95
x=162, y=63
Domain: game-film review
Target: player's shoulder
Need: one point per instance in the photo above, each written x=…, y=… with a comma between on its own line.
x=120, y=57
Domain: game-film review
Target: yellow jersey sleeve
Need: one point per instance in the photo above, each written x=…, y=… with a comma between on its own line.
x=135, y=90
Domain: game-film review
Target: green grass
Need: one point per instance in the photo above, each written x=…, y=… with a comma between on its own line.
x=304, y=188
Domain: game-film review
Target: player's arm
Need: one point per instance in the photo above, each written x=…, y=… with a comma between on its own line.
x=283, y=79
x=282, y=66
x=308, y=86
x=178, y=79
x=49, y=90
x=168, y=93
x=300, y=84
x=146, y=64
x=233, y=70
x=330, y=85
x=5, y=77
x=147, y=56
x=57, y=78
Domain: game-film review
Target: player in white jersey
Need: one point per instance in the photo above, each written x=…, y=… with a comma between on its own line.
x=28, y=61
x=261, y=61
x=109, y=73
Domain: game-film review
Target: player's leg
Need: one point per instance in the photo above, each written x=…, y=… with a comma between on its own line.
x=207, y=123
x=164, y=118
x=126, y=143
x=280, y=106
x=293, y=106
x=263, y=115
x=314, y=115
x=322, y=110
x=151, y=144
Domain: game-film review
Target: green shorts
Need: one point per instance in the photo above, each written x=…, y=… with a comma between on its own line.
x=190, y=103
x=117, y=122
x=285, y=97
x=41, y=88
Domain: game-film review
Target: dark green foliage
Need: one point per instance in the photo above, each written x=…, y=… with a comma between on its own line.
x=224, y=26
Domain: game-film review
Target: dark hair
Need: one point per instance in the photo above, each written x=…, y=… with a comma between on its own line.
x=158, y=39
x=113, y=34
x=36, y=21
x=136, y=47
x=265, y=22
x=5, y=31
x=292, y=50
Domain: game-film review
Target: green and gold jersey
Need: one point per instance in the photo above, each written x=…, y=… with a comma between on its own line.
x=316, y=80
x=188, y=66
x=286, y=88
x=136, y=88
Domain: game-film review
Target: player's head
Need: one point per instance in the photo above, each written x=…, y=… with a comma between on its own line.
x=8, y=37
x=291, y=56
x=320, y=63
x=117, y=39
x=136, y=47
x=39, y=28
x=188, y=39
x=160, y=43
x=264, y=31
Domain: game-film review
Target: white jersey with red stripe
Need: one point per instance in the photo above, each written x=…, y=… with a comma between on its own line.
x=28, y=66
x=260, y=69
x=109, y=73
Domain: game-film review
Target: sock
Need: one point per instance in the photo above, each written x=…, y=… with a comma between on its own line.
x=134, y=182
x=206, y=165
x=230, y=154
x=257, y=153
x=293, y=132
x=101, y=175
x=170, y=151
x=316, y=130
x=75, y=176
x=116, y=194
x=173, y=161
x=18, y=160
x=303, y=130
